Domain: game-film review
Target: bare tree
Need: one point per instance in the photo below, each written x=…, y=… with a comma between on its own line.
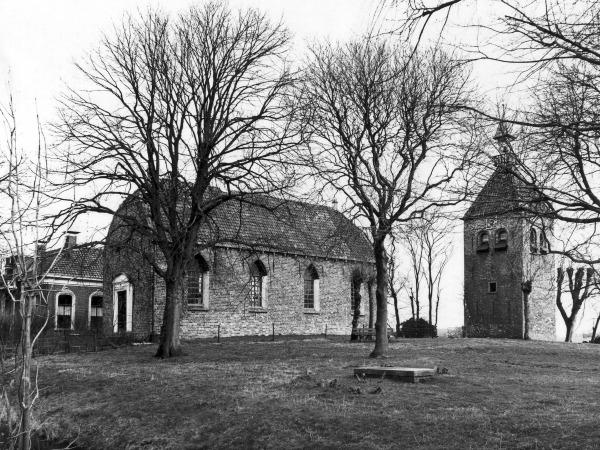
x=580, y=282
x=397, y=283
x=22, y=189
x=429, y=247
x=416, y=250
x=387, y=127
x=176, y=107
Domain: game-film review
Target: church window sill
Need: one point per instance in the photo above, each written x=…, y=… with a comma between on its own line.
x=483, y=249
x=197, y=308
x=311, y=311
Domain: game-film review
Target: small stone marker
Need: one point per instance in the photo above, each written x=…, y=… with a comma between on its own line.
x=410, y=374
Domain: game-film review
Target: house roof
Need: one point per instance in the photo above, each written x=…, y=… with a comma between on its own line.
x=265, y=222
x=78, y=262
x=504, y=193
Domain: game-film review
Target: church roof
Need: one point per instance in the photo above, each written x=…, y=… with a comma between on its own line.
x=504, y=193
x=269, y=223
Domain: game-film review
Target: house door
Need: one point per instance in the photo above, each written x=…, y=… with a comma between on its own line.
x=121, y=311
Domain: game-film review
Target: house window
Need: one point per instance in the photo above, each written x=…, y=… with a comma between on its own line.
x=96, y=311
x=311, y=288
x=198, y=282
x=483, y=241
x=501, y=241
x=122, y=304
x=533, y=242
x=258, y=278
x=65, y=309
x=492, y=287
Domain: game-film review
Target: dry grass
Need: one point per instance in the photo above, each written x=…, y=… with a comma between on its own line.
x=301, y=394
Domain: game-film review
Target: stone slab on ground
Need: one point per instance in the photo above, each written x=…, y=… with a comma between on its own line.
x=409, y=374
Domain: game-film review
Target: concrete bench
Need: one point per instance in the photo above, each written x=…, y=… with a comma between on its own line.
x=409, y=374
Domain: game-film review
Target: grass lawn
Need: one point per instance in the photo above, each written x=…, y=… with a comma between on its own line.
x=301, y=394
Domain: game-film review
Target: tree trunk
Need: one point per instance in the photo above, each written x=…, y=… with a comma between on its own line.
x=526, y=315
x=355, y=314
x=437, y=308
x=169, y=344
x=430, y=286
x=595, y=328
x=569, y=333
x=371, y=303
x=381, y=265
x=526, y=287
x=417, y=304
x=412, y=305
x=396, y=312
x=25, y=394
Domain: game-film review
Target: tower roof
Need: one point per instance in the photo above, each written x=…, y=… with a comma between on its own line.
x=504, y=193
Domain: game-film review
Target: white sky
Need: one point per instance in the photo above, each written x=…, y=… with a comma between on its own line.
x=40, y=41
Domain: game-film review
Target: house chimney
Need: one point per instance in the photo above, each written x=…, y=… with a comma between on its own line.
x=40, y=248
x=71, y=239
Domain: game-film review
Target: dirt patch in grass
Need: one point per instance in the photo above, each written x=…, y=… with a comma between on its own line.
x=299, y=394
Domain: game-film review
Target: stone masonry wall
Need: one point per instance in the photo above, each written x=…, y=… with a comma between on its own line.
x=229, y=291
x=496, y=314
x=541, y=270
x=121, y=259
x=500, y=314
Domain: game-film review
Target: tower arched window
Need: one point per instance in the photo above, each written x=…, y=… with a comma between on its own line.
x=258, y=284
x=311, y=288
x=198, y=282
x=533, y=241
x=483, y=241
x=501, y=239
x=544, y=244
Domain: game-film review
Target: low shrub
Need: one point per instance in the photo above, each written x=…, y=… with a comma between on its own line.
x=417, y=328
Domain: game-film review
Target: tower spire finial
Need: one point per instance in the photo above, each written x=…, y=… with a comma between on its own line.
x=503, y=134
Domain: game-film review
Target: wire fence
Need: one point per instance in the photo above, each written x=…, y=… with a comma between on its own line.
x=66, y=341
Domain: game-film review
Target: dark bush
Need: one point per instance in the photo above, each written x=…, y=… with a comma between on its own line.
x=417, y=328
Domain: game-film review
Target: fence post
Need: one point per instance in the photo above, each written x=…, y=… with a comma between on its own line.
x=325, y=331
x=219, y=333
x=273, y=332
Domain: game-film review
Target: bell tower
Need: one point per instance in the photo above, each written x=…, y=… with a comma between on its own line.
x=508, y=272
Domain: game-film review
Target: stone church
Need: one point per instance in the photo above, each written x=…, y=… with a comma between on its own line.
x=508, y=272
x=263, y=265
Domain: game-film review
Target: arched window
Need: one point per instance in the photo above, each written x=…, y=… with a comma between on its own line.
x=544, y=244
x=355, y=297
x=65, y=310
x=122, y=304
x=501, y=240
x=533, y=242
x=198, y=282
x=483, y=241
x=95, y=311
x=258, y=284
x=311, y=288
